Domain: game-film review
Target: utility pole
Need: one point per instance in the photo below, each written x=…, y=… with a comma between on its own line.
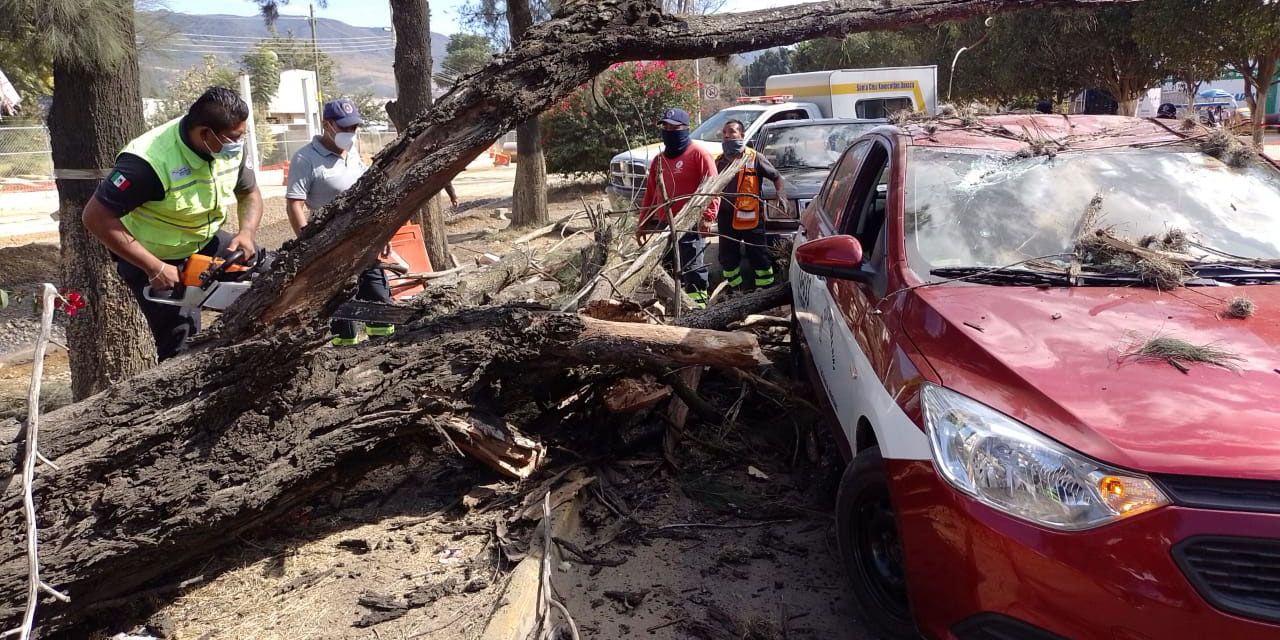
x=315, y=52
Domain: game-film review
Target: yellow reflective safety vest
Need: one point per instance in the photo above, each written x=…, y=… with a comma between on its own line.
x=746, y=214
x=196, y=194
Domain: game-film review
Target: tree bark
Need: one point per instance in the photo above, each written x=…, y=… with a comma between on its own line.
x=529, y=195
x=95, y=112
x=411, y=20
x=139, y=493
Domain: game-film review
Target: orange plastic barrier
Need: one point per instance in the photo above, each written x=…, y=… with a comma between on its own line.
x=410, y=245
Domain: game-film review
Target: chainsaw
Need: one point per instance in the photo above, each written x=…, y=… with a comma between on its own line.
x=212, y=283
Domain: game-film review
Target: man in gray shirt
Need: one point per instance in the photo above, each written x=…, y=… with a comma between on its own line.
x=320, y=171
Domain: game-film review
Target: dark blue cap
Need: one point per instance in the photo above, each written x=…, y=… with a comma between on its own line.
x=675, y=116
x=342, y=112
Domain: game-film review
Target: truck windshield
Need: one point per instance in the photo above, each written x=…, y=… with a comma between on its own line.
x=984, y=208
x=710, y=129
x=810, y=146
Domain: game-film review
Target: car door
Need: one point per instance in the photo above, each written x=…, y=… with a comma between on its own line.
x=847, y=337
x=813, y=304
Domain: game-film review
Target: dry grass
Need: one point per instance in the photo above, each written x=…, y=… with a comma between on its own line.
x=733, y=553
x=763, y=628
x=1162, y=273
x=1221, y=144
x=1241, y=307
x=1179, y=353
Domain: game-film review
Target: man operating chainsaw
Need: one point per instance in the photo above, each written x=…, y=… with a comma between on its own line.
x=320, y=171
x=165, y=200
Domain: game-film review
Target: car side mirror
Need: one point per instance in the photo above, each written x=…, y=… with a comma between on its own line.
x=833, y=257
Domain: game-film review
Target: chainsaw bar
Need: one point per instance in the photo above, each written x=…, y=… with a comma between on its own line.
x=375, y=312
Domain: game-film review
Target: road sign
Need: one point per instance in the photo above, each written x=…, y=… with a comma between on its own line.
x=711, y=91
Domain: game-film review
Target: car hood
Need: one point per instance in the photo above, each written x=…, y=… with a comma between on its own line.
x=1059, y=360
x=650, y=151
x=801, y=183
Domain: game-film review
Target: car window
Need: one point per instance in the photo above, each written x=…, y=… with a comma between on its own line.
x=794, y=114
x=882, y=107
x=712, y=128
x=836, y=193
x=869, y=202
x=810, y=146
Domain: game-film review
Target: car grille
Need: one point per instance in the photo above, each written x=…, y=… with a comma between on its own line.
x=627, y=174
x=1229, y=494
x=1237, y=575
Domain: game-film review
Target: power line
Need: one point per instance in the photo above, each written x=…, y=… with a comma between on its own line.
x=210, y=36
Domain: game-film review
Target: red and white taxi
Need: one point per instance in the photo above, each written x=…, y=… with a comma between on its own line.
x=1016, y=468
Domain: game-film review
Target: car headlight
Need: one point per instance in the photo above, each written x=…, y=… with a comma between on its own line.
x=1011, y=467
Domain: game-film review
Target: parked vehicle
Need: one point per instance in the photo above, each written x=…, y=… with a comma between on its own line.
x=1016, y=469
x=803, y=152
x=848, y=93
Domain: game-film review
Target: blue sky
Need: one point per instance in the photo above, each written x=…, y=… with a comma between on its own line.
x=373, y=13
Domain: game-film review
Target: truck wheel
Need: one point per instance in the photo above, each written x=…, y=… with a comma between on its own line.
x=870, y=548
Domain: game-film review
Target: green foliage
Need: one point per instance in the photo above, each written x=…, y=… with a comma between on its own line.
x=30, y=69
x=614, y=113
x=295, y=53
x=772, y=62
x=263, y=66
x=89, y=34
x=186, y=87
x=465, y=54
x=370, y=107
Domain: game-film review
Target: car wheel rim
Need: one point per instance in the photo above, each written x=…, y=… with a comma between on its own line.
x=878, y=552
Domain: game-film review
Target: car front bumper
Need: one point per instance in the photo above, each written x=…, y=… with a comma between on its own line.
x=969, y=565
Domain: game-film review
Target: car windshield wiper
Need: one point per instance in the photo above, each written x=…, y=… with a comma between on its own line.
x=1004, y=276
x=1236, y=272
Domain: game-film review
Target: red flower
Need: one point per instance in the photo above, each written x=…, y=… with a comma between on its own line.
x=71, y=311
x=671, y=75
x=679, y=87
x=607, y=91
x=638, y=75
x=582, y=113
x=649, y=94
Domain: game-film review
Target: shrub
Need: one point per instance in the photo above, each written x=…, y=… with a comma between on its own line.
x=614, y=113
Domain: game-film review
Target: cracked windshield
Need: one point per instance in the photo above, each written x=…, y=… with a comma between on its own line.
x=968, y=208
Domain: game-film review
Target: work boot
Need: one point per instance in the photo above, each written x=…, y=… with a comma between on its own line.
x=733, y=277
x=699, y=298
x=764, y=278
x=339, y=341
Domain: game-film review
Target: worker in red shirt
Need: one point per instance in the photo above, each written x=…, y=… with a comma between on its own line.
x=683, y=166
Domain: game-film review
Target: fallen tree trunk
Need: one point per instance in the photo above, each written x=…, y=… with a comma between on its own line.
x=140, y=492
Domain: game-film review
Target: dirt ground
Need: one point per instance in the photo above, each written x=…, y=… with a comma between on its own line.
x=732, y=536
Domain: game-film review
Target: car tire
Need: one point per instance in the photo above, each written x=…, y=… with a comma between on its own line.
x=870, y=548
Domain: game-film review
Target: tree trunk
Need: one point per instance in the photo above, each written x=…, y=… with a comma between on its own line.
x=95, y=112
x=529, y=196
x=1258, y=96
x=141, y=492
x=411, y=20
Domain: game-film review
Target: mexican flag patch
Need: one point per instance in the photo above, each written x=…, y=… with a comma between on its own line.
x=119, y=180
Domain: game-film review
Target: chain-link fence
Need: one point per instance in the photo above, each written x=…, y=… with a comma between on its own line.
x=368, y=143
x=24, y=154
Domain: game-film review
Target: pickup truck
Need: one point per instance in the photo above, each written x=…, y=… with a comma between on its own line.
x=627, y=170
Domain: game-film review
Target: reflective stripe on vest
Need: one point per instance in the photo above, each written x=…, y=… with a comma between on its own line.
x=196, y=194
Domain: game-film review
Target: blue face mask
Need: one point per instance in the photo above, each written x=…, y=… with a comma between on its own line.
x=230, y=149
x=676, y=141
x=733, y=147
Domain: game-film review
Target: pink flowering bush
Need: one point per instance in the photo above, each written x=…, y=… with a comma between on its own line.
x=614, y=113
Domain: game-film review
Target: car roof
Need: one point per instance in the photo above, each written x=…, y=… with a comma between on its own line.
x=1012, y=132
